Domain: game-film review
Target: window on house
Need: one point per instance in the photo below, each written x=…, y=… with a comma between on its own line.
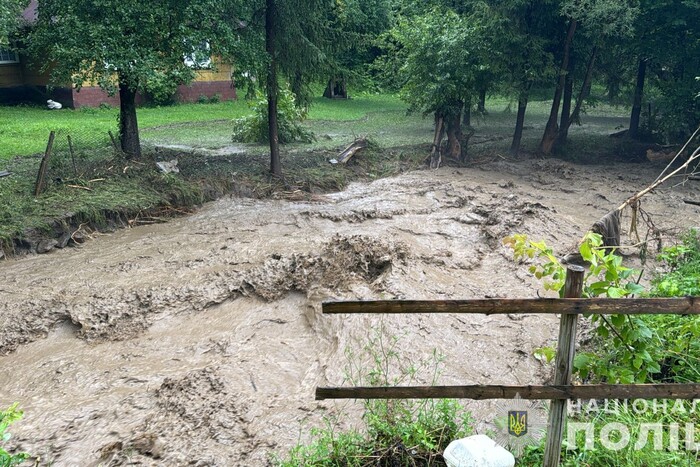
x=200, y=58
x=8, y=56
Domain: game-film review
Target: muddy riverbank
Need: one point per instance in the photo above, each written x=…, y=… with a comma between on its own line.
x=200, y=341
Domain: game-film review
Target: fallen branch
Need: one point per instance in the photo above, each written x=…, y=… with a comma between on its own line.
x=351, y=150
x=80, y=186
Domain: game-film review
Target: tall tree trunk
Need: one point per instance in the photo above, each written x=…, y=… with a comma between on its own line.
x=637, y=102
x=566, y=106
x=454, y=133
x=585, y=90
x=128, y=125
x=481, y=106
x=550, y=132
x=272, y=87
x=519, y=123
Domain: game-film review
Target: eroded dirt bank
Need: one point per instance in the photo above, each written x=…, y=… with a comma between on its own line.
x=200, y=341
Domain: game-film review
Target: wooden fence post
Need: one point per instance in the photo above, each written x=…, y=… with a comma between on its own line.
x=39, y=187
x=564, y=364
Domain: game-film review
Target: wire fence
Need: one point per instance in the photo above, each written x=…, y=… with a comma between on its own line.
x=77, y=154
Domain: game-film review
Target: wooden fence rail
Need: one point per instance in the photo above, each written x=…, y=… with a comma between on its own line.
x=564, y=306
x=481, y=392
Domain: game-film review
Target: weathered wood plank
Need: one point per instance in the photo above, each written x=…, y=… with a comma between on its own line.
x=43, y=167
x=566, y=347
x=599, y=306
x=481, y=392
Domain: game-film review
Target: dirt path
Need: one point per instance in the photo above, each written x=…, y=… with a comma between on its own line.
x=200, y=341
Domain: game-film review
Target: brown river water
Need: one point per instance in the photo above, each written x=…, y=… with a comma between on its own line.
x=201, y=341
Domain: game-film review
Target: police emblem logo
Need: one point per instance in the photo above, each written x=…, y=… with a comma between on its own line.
x=520, y=423
x=517, y=423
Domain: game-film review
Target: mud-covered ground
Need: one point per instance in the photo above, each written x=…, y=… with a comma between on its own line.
x=200, y=341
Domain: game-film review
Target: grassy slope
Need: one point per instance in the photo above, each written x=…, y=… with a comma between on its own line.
x=404, y=138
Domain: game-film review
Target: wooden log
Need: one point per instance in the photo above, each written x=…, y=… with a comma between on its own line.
x=351, y=150
x=482, y=392
x=43, y=167
x=577, y=306
x=566, y=347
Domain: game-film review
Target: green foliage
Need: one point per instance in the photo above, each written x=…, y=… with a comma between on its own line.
x=680, y=335
x=254, y=128
x=7, y=418
x=437, y=56
x=576, y=455
x=629, y=350
x=9, y=18
x=95, y=43
x=397, y=432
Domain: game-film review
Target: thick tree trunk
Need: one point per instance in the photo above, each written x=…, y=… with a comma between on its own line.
x=454, y=136
x=272, y=87
x=435, y=153
x=481, y=106
x=467, y=114
x=336, y=89
x=519, y=123
x=637, y=102
x=329, y=92
x=551, y=130
x=128, y=124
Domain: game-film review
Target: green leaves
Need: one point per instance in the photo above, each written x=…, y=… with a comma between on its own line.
x=7, y=418
x=89, y=43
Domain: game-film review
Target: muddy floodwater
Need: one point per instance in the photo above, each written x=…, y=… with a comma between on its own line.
x=201, y=341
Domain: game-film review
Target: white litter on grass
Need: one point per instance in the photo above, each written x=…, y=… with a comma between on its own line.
x=477, y=451
x=53, y=105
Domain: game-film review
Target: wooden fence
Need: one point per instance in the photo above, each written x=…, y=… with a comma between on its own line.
x=569, y=308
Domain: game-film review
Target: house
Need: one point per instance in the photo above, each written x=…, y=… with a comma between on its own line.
x=21, y=82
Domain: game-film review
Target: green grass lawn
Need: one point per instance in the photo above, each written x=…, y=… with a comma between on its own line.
x=24, y=130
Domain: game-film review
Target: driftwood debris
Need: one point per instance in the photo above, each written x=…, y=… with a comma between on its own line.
x=351, y=150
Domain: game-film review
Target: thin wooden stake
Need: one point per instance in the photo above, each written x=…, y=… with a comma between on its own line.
x=44, y=166
x=72, y=154
x=564, y=363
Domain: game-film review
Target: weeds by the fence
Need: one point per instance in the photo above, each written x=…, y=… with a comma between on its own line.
x=395, y=432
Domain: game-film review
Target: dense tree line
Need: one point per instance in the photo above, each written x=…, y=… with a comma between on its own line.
x=442, y=56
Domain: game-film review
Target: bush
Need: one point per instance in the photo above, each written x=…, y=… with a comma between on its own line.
x=254, y=128
x=396, y=432
x=7, y=418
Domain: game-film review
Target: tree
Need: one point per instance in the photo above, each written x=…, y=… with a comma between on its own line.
x=282, y=39
x=666, y=53
x=10, y=14
x=521, y=32
x=127, y=46
x=355, y=24
x=600, y=21
x=438, y=55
